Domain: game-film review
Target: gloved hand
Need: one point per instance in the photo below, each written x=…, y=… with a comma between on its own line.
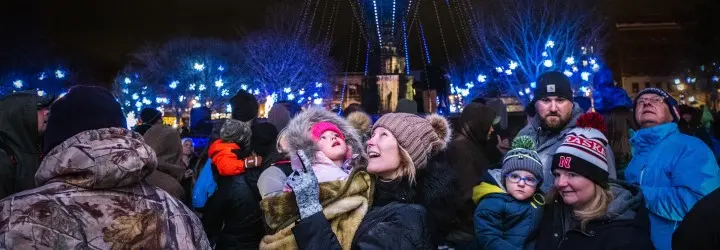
x=305, y=185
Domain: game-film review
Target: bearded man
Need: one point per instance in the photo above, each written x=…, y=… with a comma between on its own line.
x=553, y=115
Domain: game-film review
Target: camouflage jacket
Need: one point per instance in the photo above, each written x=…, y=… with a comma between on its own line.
x=91, y=195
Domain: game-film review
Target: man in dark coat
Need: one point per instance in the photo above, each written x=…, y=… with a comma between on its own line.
x=700, y=229
x=232, y=216
x=23, y=117
x=552, y=115
x=468, y=156
x=148, y=117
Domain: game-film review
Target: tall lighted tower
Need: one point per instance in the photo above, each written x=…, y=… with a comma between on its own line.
x=386, y=24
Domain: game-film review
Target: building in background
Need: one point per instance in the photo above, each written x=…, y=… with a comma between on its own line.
x=352, y=82
x=653, y=52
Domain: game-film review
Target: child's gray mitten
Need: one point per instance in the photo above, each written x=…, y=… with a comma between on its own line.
x=305, y=185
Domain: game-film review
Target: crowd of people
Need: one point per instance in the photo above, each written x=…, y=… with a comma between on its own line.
x=625, y=174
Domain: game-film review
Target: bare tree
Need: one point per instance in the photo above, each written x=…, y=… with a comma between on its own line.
x=521, y=39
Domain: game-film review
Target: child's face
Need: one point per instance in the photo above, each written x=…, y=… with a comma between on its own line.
x=332, y=146
x=520, y=184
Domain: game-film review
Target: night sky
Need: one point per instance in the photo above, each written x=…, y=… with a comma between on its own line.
x=96, y=36
x=99, y=34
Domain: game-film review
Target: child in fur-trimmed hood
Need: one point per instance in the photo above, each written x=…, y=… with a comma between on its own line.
x=332, y=144
x=335, y=150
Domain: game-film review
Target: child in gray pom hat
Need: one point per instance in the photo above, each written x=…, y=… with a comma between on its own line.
x=509, y=211
x=236, y=131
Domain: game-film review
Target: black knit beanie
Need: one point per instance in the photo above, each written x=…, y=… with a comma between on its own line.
x=82, y=108
x=244, y=106
x=551, y=83
x=150, y=115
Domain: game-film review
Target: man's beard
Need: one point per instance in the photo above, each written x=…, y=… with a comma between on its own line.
x=556, y=125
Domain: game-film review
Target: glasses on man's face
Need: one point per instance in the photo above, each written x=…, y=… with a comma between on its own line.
x=516, y=178
x=650, y=100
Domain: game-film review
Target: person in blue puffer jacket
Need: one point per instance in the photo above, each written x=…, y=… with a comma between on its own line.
x=510, y=202
x=673, y=170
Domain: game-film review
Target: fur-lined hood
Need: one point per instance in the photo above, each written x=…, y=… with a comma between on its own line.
x=297, y=133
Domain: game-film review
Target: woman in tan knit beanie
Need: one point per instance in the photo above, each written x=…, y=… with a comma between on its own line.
x=414, y=189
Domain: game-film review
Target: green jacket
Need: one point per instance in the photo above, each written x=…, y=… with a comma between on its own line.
x=18, y=131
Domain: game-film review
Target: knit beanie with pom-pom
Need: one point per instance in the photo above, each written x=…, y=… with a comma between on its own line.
x=522, y=157
x=360, y=121
x=421, y=137
x=583, y=150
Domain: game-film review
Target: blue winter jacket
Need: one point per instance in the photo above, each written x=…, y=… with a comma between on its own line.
x=204, y=187
x=504, y=223
x=674, y=171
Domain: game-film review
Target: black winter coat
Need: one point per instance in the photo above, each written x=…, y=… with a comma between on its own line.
x=625, y=226
x=700, y=229
x=401, y=217
x=232, y=216
x=468, y=156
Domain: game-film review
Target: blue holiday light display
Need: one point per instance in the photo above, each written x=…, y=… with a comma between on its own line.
x=579, y=66
x=191, y=73
x=137, y=94
x=47, y=82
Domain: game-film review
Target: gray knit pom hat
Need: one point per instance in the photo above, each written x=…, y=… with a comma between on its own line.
x=522, y=157
x=236, y=131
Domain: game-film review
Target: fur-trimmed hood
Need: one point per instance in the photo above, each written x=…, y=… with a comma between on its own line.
x=297, y=133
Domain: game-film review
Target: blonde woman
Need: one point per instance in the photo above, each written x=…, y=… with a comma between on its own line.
x=586, y=211
x=413, y=191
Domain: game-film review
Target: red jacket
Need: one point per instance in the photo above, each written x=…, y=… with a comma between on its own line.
x=224, y=159
x=227, y=162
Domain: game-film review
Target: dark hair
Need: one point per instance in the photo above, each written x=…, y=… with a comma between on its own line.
x=618, y=122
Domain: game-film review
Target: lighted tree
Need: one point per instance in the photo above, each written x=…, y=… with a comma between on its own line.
x=181, y=74
x=29, y=63
x=277, y=65
x=521, y=39
x=47, y=80
x=280, y=64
